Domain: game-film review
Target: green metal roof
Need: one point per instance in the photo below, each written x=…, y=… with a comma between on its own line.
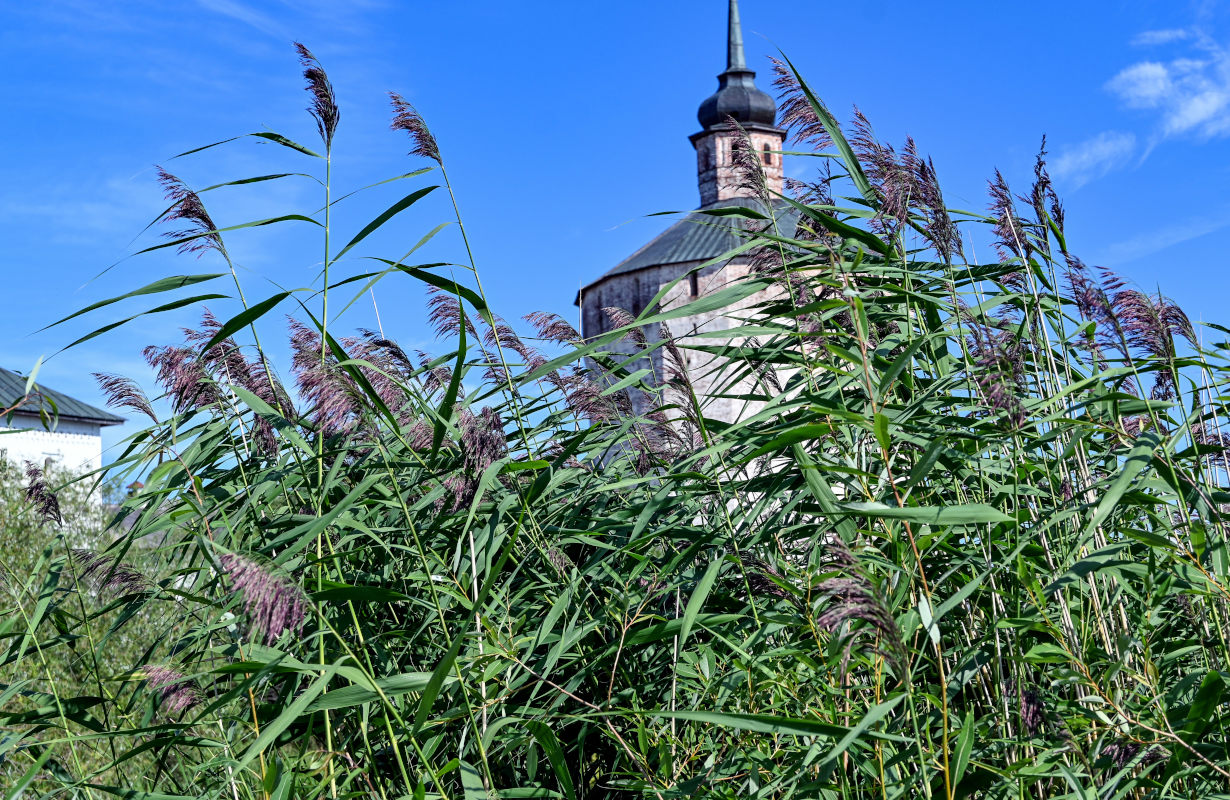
x=13, y=387
x=697, y=237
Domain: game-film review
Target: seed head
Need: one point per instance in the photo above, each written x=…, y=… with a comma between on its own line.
x=407, y=118
x=323, y=106
x=40, y=495
x=176, y=692
x=273, y=603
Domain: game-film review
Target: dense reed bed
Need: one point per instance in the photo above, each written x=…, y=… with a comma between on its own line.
x=968, y=540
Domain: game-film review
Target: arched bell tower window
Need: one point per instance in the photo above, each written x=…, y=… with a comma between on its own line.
x=768, y=156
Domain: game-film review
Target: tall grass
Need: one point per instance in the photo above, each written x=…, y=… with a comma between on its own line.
x=968, y=541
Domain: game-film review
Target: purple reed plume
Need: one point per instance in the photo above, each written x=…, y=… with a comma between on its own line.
x=622, y=318
x=1040, y=193
x=1210, y=439
x=1124, y=751
x=938, y=226
x=108, y=574
x=407, y=118
x=764, y=579
x=182, y=375
x=176, y=692
x=123, y=392
x=794, y=110
x=435, y=377
x=748, y=166
x=1011, y=238
x=39, y=494
x=999, y=368
x=482, y=438
x=273, y=603
x=445, y=315
x=553, y=327
x=322, y=383
x=1032, y=710
x=507, y=339
x=200, y=234
x=323, y=107
x=890, y=175
x=849, y=598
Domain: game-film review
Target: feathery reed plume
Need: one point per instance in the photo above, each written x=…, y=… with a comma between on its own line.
x=890, y=175
x=324, y=104
x=848, y=597
x=420, y=435
x=1032, y=711
x=507, y=339
x=763, y=578
x=1011, y=238
x=622, y=318
x=200, y=234
x=1039, y=194
x=182, y=375
x=273, y=603
x=176, y=692
x=123, y=392
x=108, y=574
x=585, y=398
x=998, y=360
x=553, y=327
x=1150, y=324
x=407, y=118
x=1125, y=751
x=40, y=495
x=1218, y=444
x=435, y=377
x=482, y=438
x=794, y=111
x=445, y=315
x=938, y=226
x=321, y=382
x=748, y=166
x=764, y=372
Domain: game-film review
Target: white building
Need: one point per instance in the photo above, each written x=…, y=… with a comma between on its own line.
x=48, y=426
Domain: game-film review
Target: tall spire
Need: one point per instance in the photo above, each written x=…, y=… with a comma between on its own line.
x=734, y=39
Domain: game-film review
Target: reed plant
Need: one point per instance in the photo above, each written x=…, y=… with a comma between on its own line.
x=968, y=541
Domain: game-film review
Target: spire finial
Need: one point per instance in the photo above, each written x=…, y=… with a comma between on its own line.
x=734, y=39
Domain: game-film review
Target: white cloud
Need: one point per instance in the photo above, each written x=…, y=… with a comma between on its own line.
x=248, y=16
x=1151, y=38
x=1189, y=95
x=1159, y=239
x=1093, y=158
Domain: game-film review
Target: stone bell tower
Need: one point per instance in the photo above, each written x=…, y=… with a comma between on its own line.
x=686, y=260
x=738, y=97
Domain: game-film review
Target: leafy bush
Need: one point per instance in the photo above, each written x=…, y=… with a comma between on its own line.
x=967, y=541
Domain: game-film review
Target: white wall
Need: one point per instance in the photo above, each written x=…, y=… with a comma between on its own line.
x=72, y=444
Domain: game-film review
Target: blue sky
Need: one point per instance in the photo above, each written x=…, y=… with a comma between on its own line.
x=564, y=125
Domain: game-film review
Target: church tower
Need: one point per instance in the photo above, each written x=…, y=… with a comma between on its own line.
x=737, y=97
x=686, y=256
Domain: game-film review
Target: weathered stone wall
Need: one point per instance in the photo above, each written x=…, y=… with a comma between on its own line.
x=633, y=291
x=715, y=166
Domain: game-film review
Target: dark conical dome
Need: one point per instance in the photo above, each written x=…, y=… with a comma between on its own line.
x=737, y=95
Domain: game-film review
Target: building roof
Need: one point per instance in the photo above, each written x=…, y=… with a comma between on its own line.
x=699, y=237
x=13, y=388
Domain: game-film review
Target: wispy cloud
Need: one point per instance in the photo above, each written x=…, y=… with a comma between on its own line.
x=247, y=15
x=1158, y=239
x=1093, y=158
x=1153, y=38
x=1190, y=95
